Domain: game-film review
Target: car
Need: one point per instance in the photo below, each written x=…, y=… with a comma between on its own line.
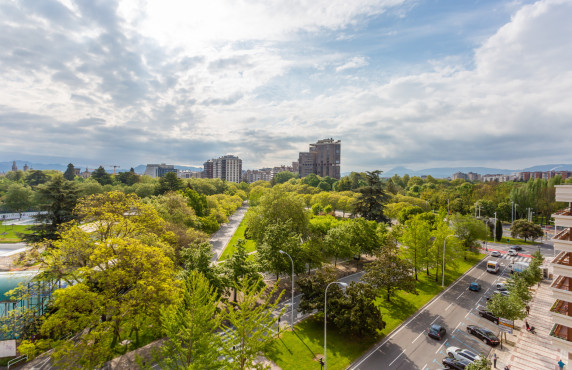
x=489, y=316
x=487, y=336
x=496, y=254
x=500, y=286
x=462, y=354
x=451, y=363
x=475, y=287
x=512, y=252
x=516, y=248
x=504, y=292
x=436, y=331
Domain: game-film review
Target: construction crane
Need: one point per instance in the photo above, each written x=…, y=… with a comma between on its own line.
x=114, y=167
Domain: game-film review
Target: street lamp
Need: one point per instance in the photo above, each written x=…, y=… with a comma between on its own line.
x=343, y=285
x=292, y=302
x=443, y=272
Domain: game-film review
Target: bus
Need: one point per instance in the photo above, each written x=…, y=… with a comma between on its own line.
x=492, y=266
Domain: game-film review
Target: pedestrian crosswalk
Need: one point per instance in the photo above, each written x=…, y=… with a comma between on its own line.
x=506, y=257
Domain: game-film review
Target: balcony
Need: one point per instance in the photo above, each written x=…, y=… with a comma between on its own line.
x=562, y=241
x=560, y=289
x=563, y=217
x=559, y=336
x=563, y=193
x=561, y=264
x=559, y=313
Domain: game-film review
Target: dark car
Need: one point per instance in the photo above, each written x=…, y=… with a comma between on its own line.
x=489, y=316
x=451, y=363
x=483, y=334
x=516, y=247
x=436, y=331
x=475, y=287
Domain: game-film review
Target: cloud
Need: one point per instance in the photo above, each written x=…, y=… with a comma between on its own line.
x=355, y=62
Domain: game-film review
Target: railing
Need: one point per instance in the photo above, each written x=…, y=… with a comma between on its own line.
x=562, y=258
x=16, y=360
x=560, y=307
x=563, y=212
x=563, y=235
x=559, y=331
x=562, y=283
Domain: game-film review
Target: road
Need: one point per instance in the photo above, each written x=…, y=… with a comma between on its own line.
x=409, y=347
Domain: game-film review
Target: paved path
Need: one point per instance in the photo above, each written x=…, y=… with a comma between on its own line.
x=220, y=239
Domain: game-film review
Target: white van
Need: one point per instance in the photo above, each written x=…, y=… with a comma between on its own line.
x=493, y=266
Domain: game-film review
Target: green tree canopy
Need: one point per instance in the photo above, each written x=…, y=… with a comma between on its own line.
x=370, y=204
x=100, y=175
x=69, y=174
x=18, y=198
x=525, y=229
x=169, y=182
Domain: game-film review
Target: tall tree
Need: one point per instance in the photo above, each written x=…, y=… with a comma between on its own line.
x=197, y=201
x=280, y=237
x=370, y=204
x=18, y=198
x=169, y=182
x=128, y=178
x=35, y=178
x=469, y=230
x=238, y=267
x=417, y=240
x=498, y=230
x=58, y=198
x=312, y=288
x=389, y=272
x=69, y=174
x=525, y=229
x=198, y=258
x=100, y=175
x=250, y=324
x=191, y=326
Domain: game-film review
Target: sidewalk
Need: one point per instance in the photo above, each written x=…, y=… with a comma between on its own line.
x=220, y=239
x=526, y=351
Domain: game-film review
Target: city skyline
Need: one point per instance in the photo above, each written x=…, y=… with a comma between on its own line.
x=402, y=83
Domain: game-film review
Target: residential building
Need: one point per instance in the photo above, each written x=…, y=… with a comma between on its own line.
x=186, y=174
x=460, y=175
x=159, y=170
x=498, y=177
x=264, y=174
x=208, y=169
x=228, y=167
x=474, y=176
x=322, y=159
x=561, y=311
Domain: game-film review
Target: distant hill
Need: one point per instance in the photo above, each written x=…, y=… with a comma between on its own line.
x=141, y=168
x=548, y=167
x=7, y=166
x=444, y=172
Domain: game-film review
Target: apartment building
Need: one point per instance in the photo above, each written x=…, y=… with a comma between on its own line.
x=322, y=159
x=228, y=167
x=159, y=170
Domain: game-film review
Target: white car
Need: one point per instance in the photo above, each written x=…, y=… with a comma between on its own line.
x=495, y=254
x=512, y=252
x=501, y=286
x=462, y=354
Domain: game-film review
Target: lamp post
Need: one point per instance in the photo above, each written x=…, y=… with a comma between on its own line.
x=343, y=285
x=291, y=302
x=443, y=272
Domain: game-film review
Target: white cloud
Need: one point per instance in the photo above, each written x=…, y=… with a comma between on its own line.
x=355, y=62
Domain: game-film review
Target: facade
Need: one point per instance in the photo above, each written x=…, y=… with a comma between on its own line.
x=86, y=174
x=159, y=170
x=474, y=176
x=460, y=175
x=498, y=177
x=186, y=174
x=323, y=159
x=264, y=174
x=208, y=171
x=228, y=167
x=561, y=311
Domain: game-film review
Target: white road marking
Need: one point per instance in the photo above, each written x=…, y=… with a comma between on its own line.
x=467, y=314
x=441, y=346
x=417, y=337
x=449, y=306
x=460, y=295
x=481, y=275
x=457, y=326
x=434, y=320
x=424, y=367
x=396, y=358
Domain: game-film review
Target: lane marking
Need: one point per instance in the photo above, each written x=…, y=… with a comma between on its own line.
x=457, y=325
x=441, y=346
x=420, y=334
x=424, y=367
x=396, y=358
x=449, y=306
x=481, y=275
x=467, y=314
x=434, y=320
x=460, y=295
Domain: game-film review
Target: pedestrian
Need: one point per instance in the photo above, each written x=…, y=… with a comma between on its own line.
x=527, y=326
x=495, y=360
x=561, y=364
x=527, y=309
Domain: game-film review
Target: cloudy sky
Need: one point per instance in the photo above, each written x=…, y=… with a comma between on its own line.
x=416, y=83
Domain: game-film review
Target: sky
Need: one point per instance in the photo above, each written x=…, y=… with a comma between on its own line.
x=412, y=83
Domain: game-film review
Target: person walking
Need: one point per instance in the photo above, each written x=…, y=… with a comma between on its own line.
x=527, y=310
x=561, y=364
x=495, y=360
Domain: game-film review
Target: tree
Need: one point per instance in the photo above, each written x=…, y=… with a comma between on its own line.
x=311, y=179
x=280, y=237
x=525, y=229
x=250, y=325
x=338, y=242
x=69, y=174
x=389, y=272
x=417, y=240
x=452, y=247
x=312, y=288
x=482, y=364
x=469, y=230
x=129, y=178
x=100, y=175
x=169, y=182
x=18, y=198
x=498, y=230
x=372, y=198
x=198, y=258
x=197, y=201
x=355, y=311
x=284, y=176
x=191, y=327
x=509, y=307
x=238, y=267
x=35, y=178
x=58, y=198
x=518, y=285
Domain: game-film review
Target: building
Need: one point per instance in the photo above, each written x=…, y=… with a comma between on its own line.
x=561, y=311
x=460, y=175
x=86, y=174
x=186, y=174
x=228, y=167
x=474, y=176
x=14, y=166
x=26, y=167
x=264, y=174
x=498, y=177
x=159, y=170
x=323, y=159
x=208, y=169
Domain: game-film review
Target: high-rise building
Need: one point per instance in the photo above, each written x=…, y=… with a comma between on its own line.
x=208, y=171
x=159, y=170
x=561, y=311
x=228, y=167
x=323, y=159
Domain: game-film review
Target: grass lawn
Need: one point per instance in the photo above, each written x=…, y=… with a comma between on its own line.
x=513, y=241
x=239, y=234
x=297, y=350
x=11, y=233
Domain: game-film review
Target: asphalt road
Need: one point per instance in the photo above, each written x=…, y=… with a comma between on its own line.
x=409, y=347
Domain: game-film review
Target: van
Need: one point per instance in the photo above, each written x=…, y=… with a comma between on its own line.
x=493, y=267
x=517, y=267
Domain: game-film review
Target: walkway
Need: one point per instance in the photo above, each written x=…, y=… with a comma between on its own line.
x=220, y=239
x=532, y=351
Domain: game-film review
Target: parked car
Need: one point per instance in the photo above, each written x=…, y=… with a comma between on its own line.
x=462, y=354
x=496, y=254
x=512, y=252
x=475, y=287
x=517, y=248
x=504, y=293
x=500, y=286
x=436, y=331
x=489, y=316
x=483, y=334
x=451, y=363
